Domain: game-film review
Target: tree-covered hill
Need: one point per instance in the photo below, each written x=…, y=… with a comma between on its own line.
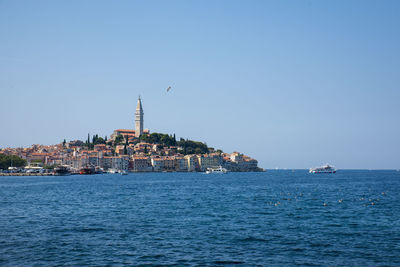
x=188, y=146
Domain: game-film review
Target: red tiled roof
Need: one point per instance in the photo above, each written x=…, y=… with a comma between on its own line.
x=125, y=130
x=40, y=154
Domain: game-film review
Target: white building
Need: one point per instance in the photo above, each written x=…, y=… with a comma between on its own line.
x=236, y=157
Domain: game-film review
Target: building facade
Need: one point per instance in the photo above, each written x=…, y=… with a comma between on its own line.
x=141, y=164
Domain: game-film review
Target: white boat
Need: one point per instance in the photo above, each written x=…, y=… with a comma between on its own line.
x=123, y=172
x=324, y=169
x=218, y=170
x=112, y=171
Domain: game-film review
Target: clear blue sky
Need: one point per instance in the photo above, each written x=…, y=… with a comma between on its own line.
x=292, y=83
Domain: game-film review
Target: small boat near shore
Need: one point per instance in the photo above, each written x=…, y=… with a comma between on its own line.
x=217, y=170
x=324, y=169
x=112, y=171
x=87, y=170
x=61, y=171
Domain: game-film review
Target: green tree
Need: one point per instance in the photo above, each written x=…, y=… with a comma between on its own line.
x=11, y=161
x=99, y=140
x=189, y=147
x=158, y=138
x=125, y=146
x=165, y=140
x=49, y=167
x=88, y=143
x=119, y=139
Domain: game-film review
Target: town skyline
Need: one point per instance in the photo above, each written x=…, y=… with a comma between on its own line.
x=127, y=150
x=293, y=85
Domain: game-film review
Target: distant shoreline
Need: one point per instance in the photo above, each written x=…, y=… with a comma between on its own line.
x=148, y=172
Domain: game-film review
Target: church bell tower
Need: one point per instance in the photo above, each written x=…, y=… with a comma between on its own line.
x=139, y=118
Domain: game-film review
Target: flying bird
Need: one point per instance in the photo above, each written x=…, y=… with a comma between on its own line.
x=169, y=88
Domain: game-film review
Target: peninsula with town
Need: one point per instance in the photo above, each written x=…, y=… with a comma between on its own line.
x=125, y=151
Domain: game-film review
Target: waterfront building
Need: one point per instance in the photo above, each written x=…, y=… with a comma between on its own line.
x=239, y=162
x=139, y=118
x=209, y=161
x=181, y=164
x=169, y=164
x=247, y=164
x=84, y=161
x=158, y=164
x=192, y=163
x=93, y=161
x=140, y=164
x=106, y=162
x=120, y=163
x=75, y=163
x=54, y=160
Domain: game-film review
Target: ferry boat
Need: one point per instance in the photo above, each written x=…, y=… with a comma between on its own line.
x=324, y=169
x=218, y=170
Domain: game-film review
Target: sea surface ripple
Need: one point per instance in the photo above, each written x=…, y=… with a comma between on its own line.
x=277, y=218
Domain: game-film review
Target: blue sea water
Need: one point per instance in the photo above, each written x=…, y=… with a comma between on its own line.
x=277, y=218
